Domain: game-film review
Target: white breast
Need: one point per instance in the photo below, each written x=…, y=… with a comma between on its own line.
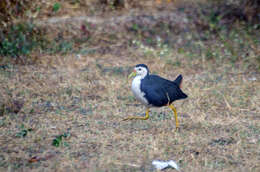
x=136, y=89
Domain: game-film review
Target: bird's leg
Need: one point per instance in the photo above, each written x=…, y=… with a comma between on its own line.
x=139, y=117
x=175, y=115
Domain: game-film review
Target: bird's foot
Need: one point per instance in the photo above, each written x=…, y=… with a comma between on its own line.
x=129, y=118
x=136, y=117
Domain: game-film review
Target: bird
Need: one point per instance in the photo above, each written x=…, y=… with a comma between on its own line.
x=155, y=91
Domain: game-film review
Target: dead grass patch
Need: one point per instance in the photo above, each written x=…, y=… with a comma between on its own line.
x=86, y=95
x=87, y=98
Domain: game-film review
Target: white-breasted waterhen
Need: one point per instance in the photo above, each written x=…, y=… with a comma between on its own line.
x=155, y=91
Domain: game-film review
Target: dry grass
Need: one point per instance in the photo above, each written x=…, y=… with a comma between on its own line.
x=87, y=95
x=219, y=128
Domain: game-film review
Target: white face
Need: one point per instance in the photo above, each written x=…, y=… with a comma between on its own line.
x=141, y=71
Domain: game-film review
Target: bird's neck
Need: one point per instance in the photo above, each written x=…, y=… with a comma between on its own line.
x=142, y=76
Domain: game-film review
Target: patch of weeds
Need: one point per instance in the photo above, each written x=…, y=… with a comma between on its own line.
x=210, y=54
x=236, y=43
x=65, y=47
x=56, y=7
x=214, y=21
x=23, y=132
x=61, y=46
x=222, y=43
x=58, y=140
x=20, y=39
x=135, y=27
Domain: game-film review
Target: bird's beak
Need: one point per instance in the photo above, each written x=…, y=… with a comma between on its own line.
x=132, y=74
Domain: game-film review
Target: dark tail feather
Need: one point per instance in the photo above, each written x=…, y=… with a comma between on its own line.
x=183, y=95
x=178, y=80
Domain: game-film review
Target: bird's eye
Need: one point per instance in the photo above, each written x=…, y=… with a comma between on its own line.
x=139, y=69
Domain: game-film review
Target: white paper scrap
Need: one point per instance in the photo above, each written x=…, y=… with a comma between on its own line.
x=160, y=165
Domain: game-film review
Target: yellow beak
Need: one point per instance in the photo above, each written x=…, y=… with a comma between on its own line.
x=132, y=74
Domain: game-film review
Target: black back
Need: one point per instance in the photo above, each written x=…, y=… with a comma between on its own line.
x=160, y=92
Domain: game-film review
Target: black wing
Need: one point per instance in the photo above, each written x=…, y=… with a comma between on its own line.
x=159, y=91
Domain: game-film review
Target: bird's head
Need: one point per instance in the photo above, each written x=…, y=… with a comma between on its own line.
x=140, y=70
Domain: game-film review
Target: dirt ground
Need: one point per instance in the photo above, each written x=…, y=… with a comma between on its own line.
x=64, y=112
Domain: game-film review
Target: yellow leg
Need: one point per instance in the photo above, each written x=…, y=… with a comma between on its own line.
x=175, y=115
x=138, y=117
